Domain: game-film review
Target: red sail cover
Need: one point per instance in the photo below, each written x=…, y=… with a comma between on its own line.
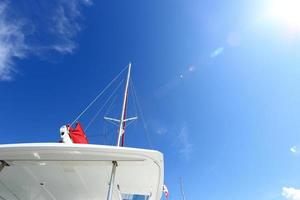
x=77, y=134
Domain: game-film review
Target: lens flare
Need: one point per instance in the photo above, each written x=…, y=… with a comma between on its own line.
x=286, y=12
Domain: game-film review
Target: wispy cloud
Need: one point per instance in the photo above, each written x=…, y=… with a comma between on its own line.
x=54, y=28
x=161, y=131
x=291, y=193
x=157, y=126
x=185, y=147
x=66, y=25
x=12, y=43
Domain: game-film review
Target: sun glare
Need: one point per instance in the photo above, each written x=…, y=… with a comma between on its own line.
x=286, y=12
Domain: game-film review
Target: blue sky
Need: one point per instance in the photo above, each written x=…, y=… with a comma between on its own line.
x=217, y=81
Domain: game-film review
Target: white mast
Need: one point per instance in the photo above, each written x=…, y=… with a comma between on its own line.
x=123, y=115
x=122, y=122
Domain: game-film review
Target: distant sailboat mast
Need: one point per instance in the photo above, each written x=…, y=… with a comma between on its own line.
x=181, y=189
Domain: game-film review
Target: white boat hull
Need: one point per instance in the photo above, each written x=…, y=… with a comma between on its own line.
x=51, y=171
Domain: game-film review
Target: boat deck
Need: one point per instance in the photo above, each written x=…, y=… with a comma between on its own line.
x=48, y=171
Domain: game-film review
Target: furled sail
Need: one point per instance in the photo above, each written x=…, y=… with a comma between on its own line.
x=77, y=134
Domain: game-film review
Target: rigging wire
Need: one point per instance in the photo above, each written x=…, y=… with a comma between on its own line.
x=105, y=132
x=110, y=121
x=142, y=116
x=134, y=103
x=108, y=132
x=129, y=123
x=98, y=112
x=110, y=106
x=96, y=98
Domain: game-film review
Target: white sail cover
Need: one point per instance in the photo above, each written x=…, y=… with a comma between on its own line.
x=50, y=171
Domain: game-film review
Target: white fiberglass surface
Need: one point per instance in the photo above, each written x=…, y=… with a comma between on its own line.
x=82, y=179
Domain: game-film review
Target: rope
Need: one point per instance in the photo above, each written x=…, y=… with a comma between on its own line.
x=96, y=98
x=98, y=112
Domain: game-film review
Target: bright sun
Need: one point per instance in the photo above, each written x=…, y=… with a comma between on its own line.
x=286, y=12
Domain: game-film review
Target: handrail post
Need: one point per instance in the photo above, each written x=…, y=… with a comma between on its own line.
x=112, y=180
